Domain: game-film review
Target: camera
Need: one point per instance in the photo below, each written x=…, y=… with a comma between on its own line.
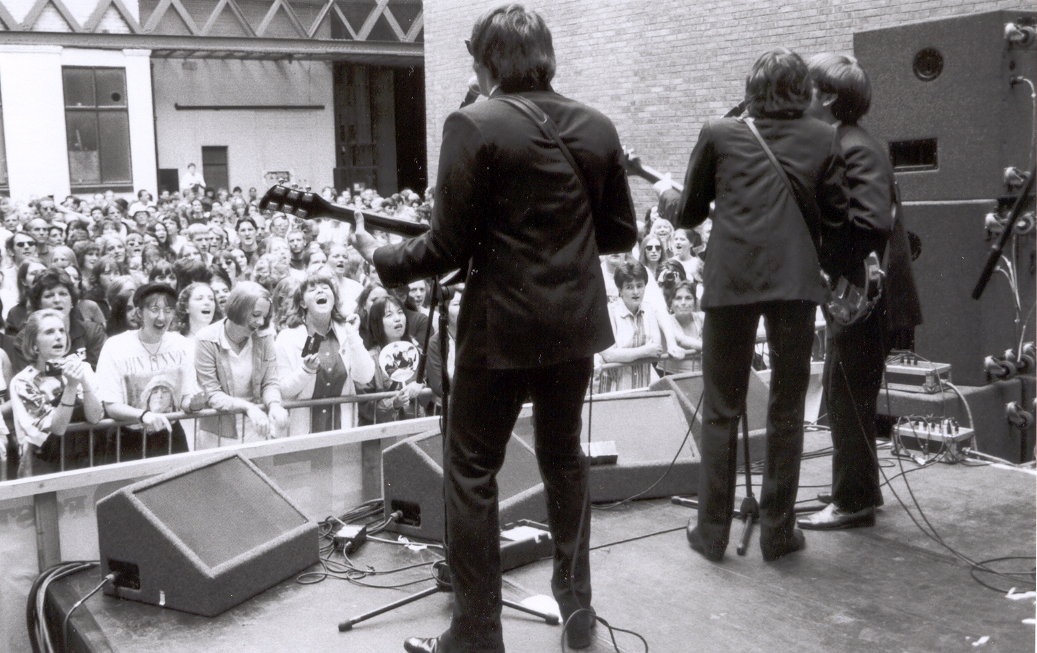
x=53, y=369
x=312, y=345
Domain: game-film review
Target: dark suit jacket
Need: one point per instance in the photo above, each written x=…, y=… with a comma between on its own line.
x=761, y=248
x=873, y=198
x=510, y=208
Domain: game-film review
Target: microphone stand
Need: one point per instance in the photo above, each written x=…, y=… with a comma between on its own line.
x=997, y=249
x=749, y=512
x=441, y=569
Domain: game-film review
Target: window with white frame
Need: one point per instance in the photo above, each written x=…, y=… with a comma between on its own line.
x=98, y=128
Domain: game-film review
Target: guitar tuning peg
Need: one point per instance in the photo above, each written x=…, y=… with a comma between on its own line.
x=272, y=206
x=278, y=191
x=294, y=195
x=301, y=213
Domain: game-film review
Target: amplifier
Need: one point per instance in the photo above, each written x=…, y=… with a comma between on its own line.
x=932, y=436
x=906, y=373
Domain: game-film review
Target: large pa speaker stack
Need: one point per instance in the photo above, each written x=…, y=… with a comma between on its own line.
x=412, y=480
x=949, y=102
x=203, y=538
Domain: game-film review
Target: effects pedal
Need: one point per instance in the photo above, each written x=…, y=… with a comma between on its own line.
x=931, y=436
x=907, y=373
x=524, y=542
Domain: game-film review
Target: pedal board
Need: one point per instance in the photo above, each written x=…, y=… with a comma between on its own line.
x=932, y=436
x=906, y=373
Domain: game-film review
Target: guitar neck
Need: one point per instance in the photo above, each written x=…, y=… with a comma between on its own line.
x=652, y=175
x=374, y=220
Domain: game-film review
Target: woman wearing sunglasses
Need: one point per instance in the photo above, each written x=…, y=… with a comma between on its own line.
x=653, y=252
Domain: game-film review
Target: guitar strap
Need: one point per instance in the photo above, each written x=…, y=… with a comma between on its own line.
x=799, y=202
x=549, y=130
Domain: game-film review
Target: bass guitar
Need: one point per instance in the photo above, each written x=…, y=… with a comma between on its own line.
x=305, y=204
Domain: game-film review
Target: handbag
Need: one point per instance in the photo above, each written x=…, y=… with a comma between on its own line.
x=847, y=303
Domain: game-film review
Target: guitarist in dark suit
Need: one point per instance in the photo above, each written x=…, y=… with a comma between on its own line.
x=763, y=260
x=511, y=209
x=857, y=353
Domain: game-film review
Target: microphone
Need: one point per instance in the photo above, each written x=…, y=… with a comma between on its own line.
x=473, y=92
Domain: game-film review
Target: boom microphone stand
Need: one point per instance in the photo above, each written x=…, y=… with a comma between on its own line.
x=441, y=569
x=999, y=247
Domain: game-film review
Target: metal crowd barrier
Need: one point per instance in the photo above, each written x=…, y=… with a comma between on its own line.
x=105, y=427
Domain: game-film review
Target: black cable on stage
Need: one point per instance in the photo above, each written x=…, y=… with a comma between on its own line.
x=638, y=537
x=110, y=578
x=39, y=635
x=579, y=534
x=615, y=504
x=933, y=535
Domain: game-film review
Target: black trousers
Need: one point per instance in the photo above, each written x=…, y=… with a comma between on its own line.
x=483, y=407
x=852, y=379
x=728, y=340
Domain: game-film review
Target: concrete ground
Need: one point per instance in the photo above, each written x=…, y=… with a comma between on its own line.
x=887, y=588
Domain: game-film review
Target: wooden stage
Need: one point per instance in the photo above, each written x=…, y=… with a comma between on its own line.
x=887, y=588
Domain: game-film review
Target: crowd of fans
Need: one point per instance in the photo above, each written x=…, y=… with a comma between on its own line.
x=200, y=299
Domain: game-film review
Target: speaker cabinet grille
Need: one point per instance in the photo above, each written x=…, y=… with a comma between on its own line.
x=242, y=516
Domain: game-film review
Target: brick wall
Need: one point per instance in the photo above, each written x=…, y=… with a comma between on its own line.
x=661, y=68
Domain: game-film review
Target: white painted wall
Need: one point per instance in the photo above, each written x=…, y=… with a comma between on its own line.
x=34, y=120
x=137, y=64
x=34, y=115
x=258, y=141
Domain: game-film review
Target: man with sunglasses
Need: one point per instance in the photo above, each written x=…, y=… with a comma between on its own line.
x=527, y=219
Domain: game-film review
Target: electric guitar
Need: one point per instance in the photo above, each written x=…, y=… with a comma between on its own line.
x=305, y=204
x=634, y=166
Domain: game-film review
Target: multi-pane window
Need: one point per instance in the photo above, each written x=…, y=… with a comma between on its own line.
x=98, y=127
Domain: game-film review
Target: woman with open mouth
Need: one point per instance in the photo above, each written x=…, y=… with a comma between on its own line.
x=52, y=391
x=321, y=355
x=195, y=309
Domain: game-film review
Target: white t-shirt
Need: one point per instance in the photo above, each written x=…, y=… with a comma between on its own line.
x=127, y=373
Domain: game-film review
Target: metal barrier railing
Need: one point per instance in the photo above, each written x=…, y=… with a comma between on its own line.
x=106, y=426
x=112, y=430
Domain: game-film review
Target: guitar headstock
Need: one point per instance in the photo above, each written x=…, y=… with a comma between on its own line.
x=299, y=203
x=632, y=162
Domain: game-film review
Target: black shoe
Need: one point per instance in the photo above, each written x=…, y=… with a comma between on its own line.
x=697, y=544
x=579, y=628
x=772, y=552
x=421, y=645
x=832, y=519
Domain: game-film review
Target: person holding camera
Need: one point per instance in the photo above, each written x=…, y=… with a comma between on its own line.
x=54, y=390
x=322, y=355
x=763, y=260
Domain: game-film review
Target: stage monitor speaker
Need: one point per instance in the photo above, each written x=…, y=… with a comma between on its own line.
x=203, y=538
x=647, y=428
x=688, y=389
x=944, y=100
x=412, y=481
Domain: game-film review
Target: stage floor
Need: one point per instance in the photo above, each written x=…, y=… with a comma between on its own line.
x=887, y=588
